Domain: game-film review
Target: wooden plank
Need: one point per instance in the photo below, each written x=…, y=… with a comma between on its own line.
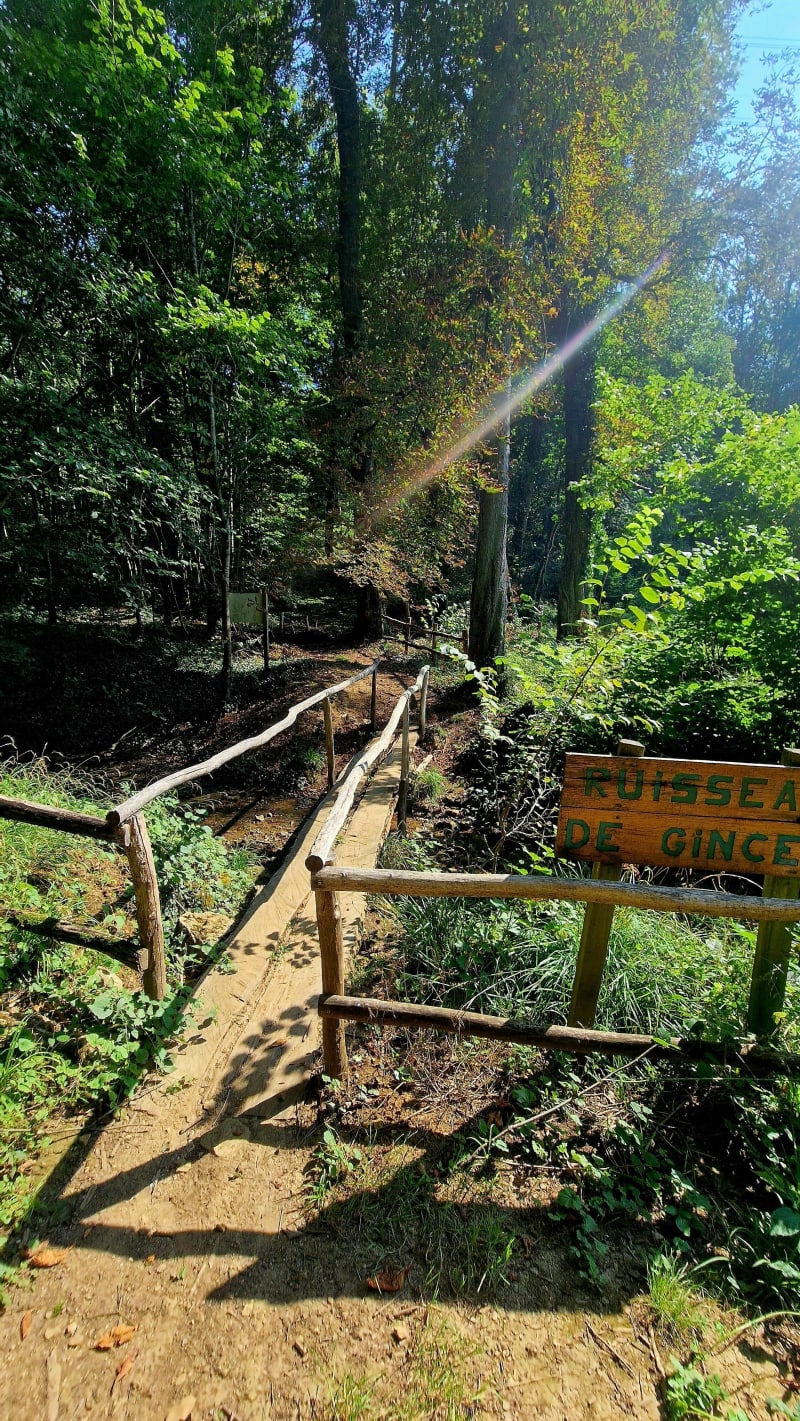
x=137, y=801
x=595, y=933
x=592, y=952
x=702, y=902
x=550, y=1038
x=329, y=746
x=714, y=816
x=134, y=838
x=405, y=765
x=373, y=702
x=423, y=708
x=120, y=949
x=331, y=949
x=773, y=946
x=48, y=816
x=265, y=627
x=322, y=848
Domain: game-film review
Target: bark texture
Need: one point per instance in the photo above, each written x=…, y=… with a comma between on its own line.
x=577, y=520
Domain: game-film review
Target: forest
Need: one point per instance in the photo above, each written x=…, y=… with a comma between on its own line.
x=455, y=335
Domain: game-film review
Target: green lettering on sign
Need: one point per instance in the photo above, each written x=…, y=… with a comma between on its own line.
x=747, y=850
x=592, y=783
x=787, y=796
x=684, y=789
x=723, y=842
x=716, y=788
x=574, y=827
x=748, y=785
x=605, y=829
x=782, y=855
x=673, y=842
x=622, y=785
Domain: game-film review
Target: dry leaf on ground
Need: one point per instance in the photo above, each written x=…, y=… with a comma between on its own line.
x=117, y=1337
x=25, y=1324
x=123, y=1369
x=46, y=1257
x=388, y=1280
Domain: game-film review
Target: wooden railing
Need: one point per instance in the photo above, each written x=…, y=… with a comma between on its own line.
x=125, y=826
x=601, y=894
x=322, y=853
x=432, y=636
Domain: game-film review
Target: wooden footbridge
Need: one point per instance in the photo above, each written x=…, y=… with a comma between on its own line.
x=613, y=789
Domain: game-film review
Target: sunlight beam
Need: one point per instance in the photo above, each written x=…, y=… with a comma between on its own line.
x=507, y=403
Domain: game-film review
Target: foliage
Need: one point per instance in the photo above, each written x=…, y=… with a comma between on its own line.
x=75, y=1032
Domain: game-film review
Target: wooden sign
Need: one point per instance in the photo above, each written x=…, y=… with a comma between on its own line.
x=247, y=608
x=721, y=818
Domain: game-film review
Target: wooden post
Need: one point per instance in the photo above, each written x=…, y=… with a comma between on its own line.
x=402, y=794
x=265, y=615
x=595, y=933
x=408, y=629
x=329, y=748
x=773, y=944
x=465, y=641
x=373, y=703
x=331, y=950
x=423, y=705
x=283, y=614
x=434, y=634
x=135, y=840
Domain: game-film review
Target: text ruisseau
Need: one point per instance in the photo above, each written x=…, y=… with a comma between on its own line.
x=724, y=817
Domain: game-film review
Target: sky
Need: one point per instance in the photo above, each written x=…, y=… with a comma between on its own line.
x=769, y=25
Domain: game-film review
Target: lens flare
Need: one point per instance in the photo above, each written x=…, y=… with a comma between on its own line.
x=507, y=402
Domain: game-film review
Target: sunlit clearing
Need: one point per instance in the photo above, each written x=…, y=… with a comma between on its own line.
x=507, y=401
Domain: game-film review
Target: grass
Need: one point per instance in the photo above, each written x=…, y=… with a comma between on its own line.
x=434, y=1383
x=663, y=975
x=678, y=1319
x=427, y=786
x=396, y=1212
x=75, y=1030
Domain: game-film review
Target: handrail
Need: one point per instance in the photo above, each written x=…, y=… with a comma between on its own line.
x=407, y=883
x=50, y=816
x=129, y=807
x=322, y=847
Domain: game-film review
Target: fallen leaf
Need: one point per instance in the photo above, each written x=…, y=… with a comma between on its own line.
x=123, y=1369
x=388, y=1280
x=151, y=1258
x=117, y=1337
x=25, y=1324
x=46, y=1257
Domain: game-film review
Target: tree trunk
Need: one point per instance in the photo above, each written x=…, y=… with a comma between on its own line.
x=331, y=18
x=369, y=624
x=527, y=482
x=489, y=598
x=576, y=527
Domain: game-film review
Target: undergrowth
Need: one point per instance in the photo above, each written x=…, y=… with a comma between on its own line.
x=75, y=1030
x=664, y=975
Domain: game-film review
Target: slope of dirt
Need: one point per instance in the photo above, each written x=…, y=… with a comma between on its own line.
x=205, y=1239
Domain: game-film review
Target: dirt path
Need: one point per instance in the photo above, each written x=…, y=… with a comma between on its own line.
x=188, y=1228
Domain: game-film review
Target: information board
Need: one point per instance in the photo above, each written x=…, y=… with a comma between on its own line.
x=698, y=814
x=247, y=608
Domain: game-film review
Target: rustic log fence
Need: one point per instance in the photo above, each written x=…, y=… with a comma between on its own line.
x=432, y=636
x=775, y=911
x=125, y=826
